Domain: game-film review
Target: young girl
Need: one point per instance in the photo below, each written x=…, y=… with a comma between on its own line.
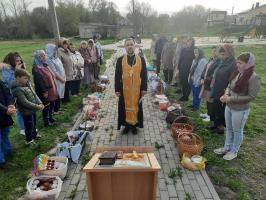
x=242, y=89
x=197, y=67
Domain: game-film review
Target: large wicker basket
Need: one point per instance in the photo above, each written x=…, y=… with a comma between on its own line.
x=189, y=143
x=180, y=128
x=182, y=119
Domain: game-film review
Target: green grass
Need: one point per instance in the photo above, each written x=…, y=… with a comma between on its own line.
x=13, y=180
x=246, y=175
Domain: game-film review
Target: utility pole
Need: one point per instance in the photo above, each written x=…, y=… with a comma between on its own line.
x=134, y=17
x=54, y=19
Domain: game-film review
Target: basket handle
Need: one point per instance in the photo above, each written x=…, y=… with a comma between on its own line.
x=181, y=117
x=195, y=137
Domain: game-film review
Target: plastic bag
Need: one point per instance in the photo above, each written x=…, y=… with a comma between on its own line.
x=188, y=163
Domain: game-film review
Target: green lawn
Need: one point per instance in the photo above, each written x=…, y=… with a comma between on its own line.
x=244, y=177
x=13, y=180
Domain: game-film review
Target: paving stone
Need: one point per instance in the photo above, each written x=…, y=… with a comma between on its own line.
x=171, y=191
x=78, y=196
x=75, y=179
x=164, y=195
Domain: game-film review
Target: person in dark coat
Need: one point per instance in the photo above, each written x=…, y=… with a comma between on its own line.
x=7, y=109
x=185, y=62
x=130, y=87
x=158, y=51
x=220, y=80
x=45, y=86
x=206, y=78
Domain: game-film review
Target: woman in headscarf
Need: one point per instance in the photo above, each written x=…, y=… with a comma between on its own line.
x=88, y=79
x=242, y=89
x=196, y=70
x=206, y=78
x=94, y=59
x=219, y=83
x=64, y=55
x=55, y=64
x=45, y=86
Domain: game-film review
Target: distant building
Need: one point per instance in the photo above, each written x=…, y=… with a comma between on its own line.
x=216, y=17
x=87, y=30
x=254, y=16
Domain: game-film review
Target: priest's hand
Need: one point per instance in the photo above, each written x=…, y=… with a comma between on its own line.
x=143, y=92
x=117, y=94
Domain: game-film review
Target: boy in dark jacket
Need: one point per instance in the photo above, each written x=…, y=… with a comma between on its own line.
x=7, y=109
x=27, y=102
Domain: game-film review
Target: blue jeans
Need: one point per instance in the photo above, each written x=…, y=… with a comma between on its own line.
x=196, y=99
x=235, y=121
x=20, y=121
x=5, y=146
x=47, y=112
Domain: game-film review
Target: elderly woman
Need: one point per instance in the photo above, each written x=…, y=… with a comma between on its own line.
x=56, y=66
x=65, y=57
x=242, y=89
x=78, y=68
x=197, y=67
x=94, y=59
x=99, y=55
x=219, y=83
x=88, y=79
x=45, y=86
x=167, y=60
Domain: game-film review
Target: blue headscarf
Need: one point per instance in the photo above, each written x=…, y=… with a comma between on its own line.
x=37, y=59
x=49, y=50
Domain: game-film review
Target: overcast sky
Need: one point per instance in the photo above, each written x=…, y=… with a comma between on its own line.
x=170, y=6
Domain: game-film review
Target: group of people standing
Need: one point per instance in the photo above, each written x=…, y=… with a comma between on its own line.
x=227, y=84
x=58, y=72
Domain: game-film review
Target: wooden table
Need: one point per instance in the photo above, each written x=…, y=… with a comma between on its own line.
x=125, y=183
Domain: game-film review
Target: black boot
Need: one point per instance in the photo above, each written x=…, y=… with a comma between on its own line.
x=134, y=130
x=126, y=130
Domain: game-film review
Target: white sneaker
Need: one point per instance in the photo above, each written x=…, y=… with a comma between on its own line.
x=220, y=151
x=207, y=119
x=30, y=142
x=204, y=115
x=229, y=156
x=22, y=132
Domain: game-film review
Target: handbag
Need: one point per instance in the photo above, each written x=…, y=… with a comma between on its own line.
x=172, y=115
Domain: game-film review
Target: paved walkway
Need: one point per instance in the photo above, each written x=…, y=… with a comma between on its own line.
x=197, y=184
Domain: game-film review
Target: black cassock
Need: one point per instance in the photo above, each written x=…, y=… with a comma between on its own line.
x=119, y=88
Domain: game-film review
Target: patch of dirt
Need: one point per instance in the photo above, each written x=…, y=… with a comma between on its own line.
x=251, y=164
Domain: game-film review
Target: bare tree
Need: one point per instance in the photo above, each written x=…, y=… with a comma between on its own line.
x=13, y=5
x=3, y=7
x=93, y=5
x=25, y=5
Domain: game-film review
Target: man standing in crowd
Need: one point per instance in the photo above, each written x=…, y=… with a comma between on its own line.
x=130, y=87
x=7, y=109
x=158, y=51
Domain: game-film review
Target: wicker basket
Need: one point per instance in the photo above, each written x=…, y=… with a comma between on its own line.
x=189, y=143
x=180, y=119
x=180, y=128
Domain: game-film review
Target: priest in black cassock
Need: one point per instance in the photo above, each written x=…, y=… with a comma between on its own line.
x=130, y=87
